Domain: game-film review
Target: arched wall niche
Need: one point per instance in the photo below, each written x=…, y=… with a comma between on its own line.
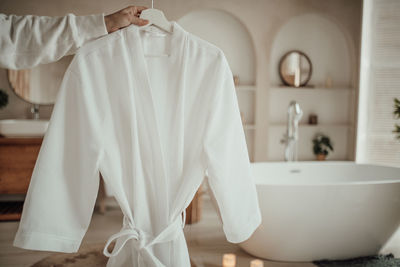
x=331, y=50
x=326, y=43
x=226, y=31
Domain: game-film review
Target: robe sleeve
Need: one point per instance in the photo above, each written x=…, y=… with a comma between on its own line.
x=228, y=165
x=62, y=192
x=27, y=41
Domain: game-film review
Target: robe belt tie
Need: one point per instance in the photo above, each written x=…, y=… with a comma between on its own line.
x=142, y=240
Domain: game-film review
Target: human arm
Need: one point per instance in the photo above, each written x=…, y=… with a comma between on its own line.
x=27, y=41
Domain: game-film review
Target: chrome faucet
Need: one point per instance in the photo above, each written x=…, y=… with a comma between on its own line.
x=294, y=114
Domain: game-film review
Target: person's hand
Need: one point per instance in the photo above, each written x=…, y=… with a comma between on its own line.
x=125, y=17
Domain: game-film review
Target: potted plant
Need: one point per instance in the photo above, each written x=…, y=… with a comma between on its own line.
x=396, y=114
x=321, y=146
x=3, y=99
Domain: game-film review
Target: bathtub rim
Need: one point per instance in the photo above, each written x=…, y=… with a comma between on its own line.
x=256, y=178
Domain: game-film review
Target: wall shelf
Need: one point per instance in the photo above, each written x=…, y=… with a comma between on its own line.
x=249, y=88
x=322, y=125
x=249, y=126
x=323, y=102
x=312, y=89
x=338, y=132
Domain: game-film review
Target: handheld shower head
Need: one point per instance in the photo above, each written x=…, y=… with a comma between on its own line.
x=294, y=114
x=297, y=111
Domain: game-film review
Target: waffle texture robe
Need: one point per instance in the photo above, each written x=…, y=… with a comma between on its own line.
x=155, y=127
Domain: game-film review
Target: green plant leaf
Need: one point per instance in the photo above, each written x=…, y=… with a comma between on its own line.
x=397, y=131
x=396, y=111
x=321, y=144
x=3, y=98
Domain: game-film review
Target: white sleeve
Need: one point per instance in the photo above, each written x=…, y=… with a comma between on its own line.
x=228, y=164
x=27, y=41
x=62, y=192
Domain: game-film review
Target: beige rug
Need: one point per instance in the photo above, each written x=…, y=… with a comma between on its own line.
x=90, y=255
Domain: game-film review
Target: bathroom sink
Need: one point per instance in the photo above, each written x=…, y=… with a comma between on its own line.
x=23, y=128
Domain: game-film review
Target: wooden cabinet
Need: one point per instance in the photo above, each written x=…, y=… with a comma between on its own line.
x=17, y=160
x=193, y=211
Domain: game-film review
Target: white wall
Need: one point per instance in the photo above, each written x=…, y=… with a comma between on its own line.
x=263, y=19
x=228, y=33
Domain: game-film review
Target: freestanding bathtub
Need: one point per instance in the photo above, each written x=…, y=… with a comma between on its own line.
x=324, y=210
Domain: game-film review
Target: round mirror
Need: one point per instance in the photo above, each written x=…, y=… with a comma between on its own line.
x=40, y=84
x=295, y=68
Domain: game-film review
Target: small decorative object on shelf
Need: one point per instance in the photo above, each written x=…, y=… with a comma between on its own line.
x=229, y=260
x=396, y=114
x=256, y=263
x=313, y=119
x=328, y=82
x=321, y=146
x=3, y=99
x=236, y=79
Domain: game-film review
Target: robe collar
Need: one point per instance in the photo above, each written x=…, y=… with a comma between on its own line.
x=177, y=45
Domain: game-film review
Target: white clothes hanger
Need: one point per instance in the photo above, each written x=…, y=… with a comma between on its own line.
x=157, y=18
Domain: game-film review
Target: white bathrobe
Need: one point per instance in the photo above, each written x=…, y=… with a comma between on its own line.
x=153, y=126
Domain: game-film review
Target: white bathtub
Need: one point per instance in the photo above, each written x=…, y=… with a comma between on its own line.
x=324, y=210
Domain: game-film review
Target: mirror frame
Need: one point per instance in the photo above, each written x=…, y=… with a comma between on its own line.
x=281, y=62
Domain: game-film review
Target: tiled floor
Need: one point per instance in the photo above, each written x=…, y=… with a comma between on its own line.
x=206, y=241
